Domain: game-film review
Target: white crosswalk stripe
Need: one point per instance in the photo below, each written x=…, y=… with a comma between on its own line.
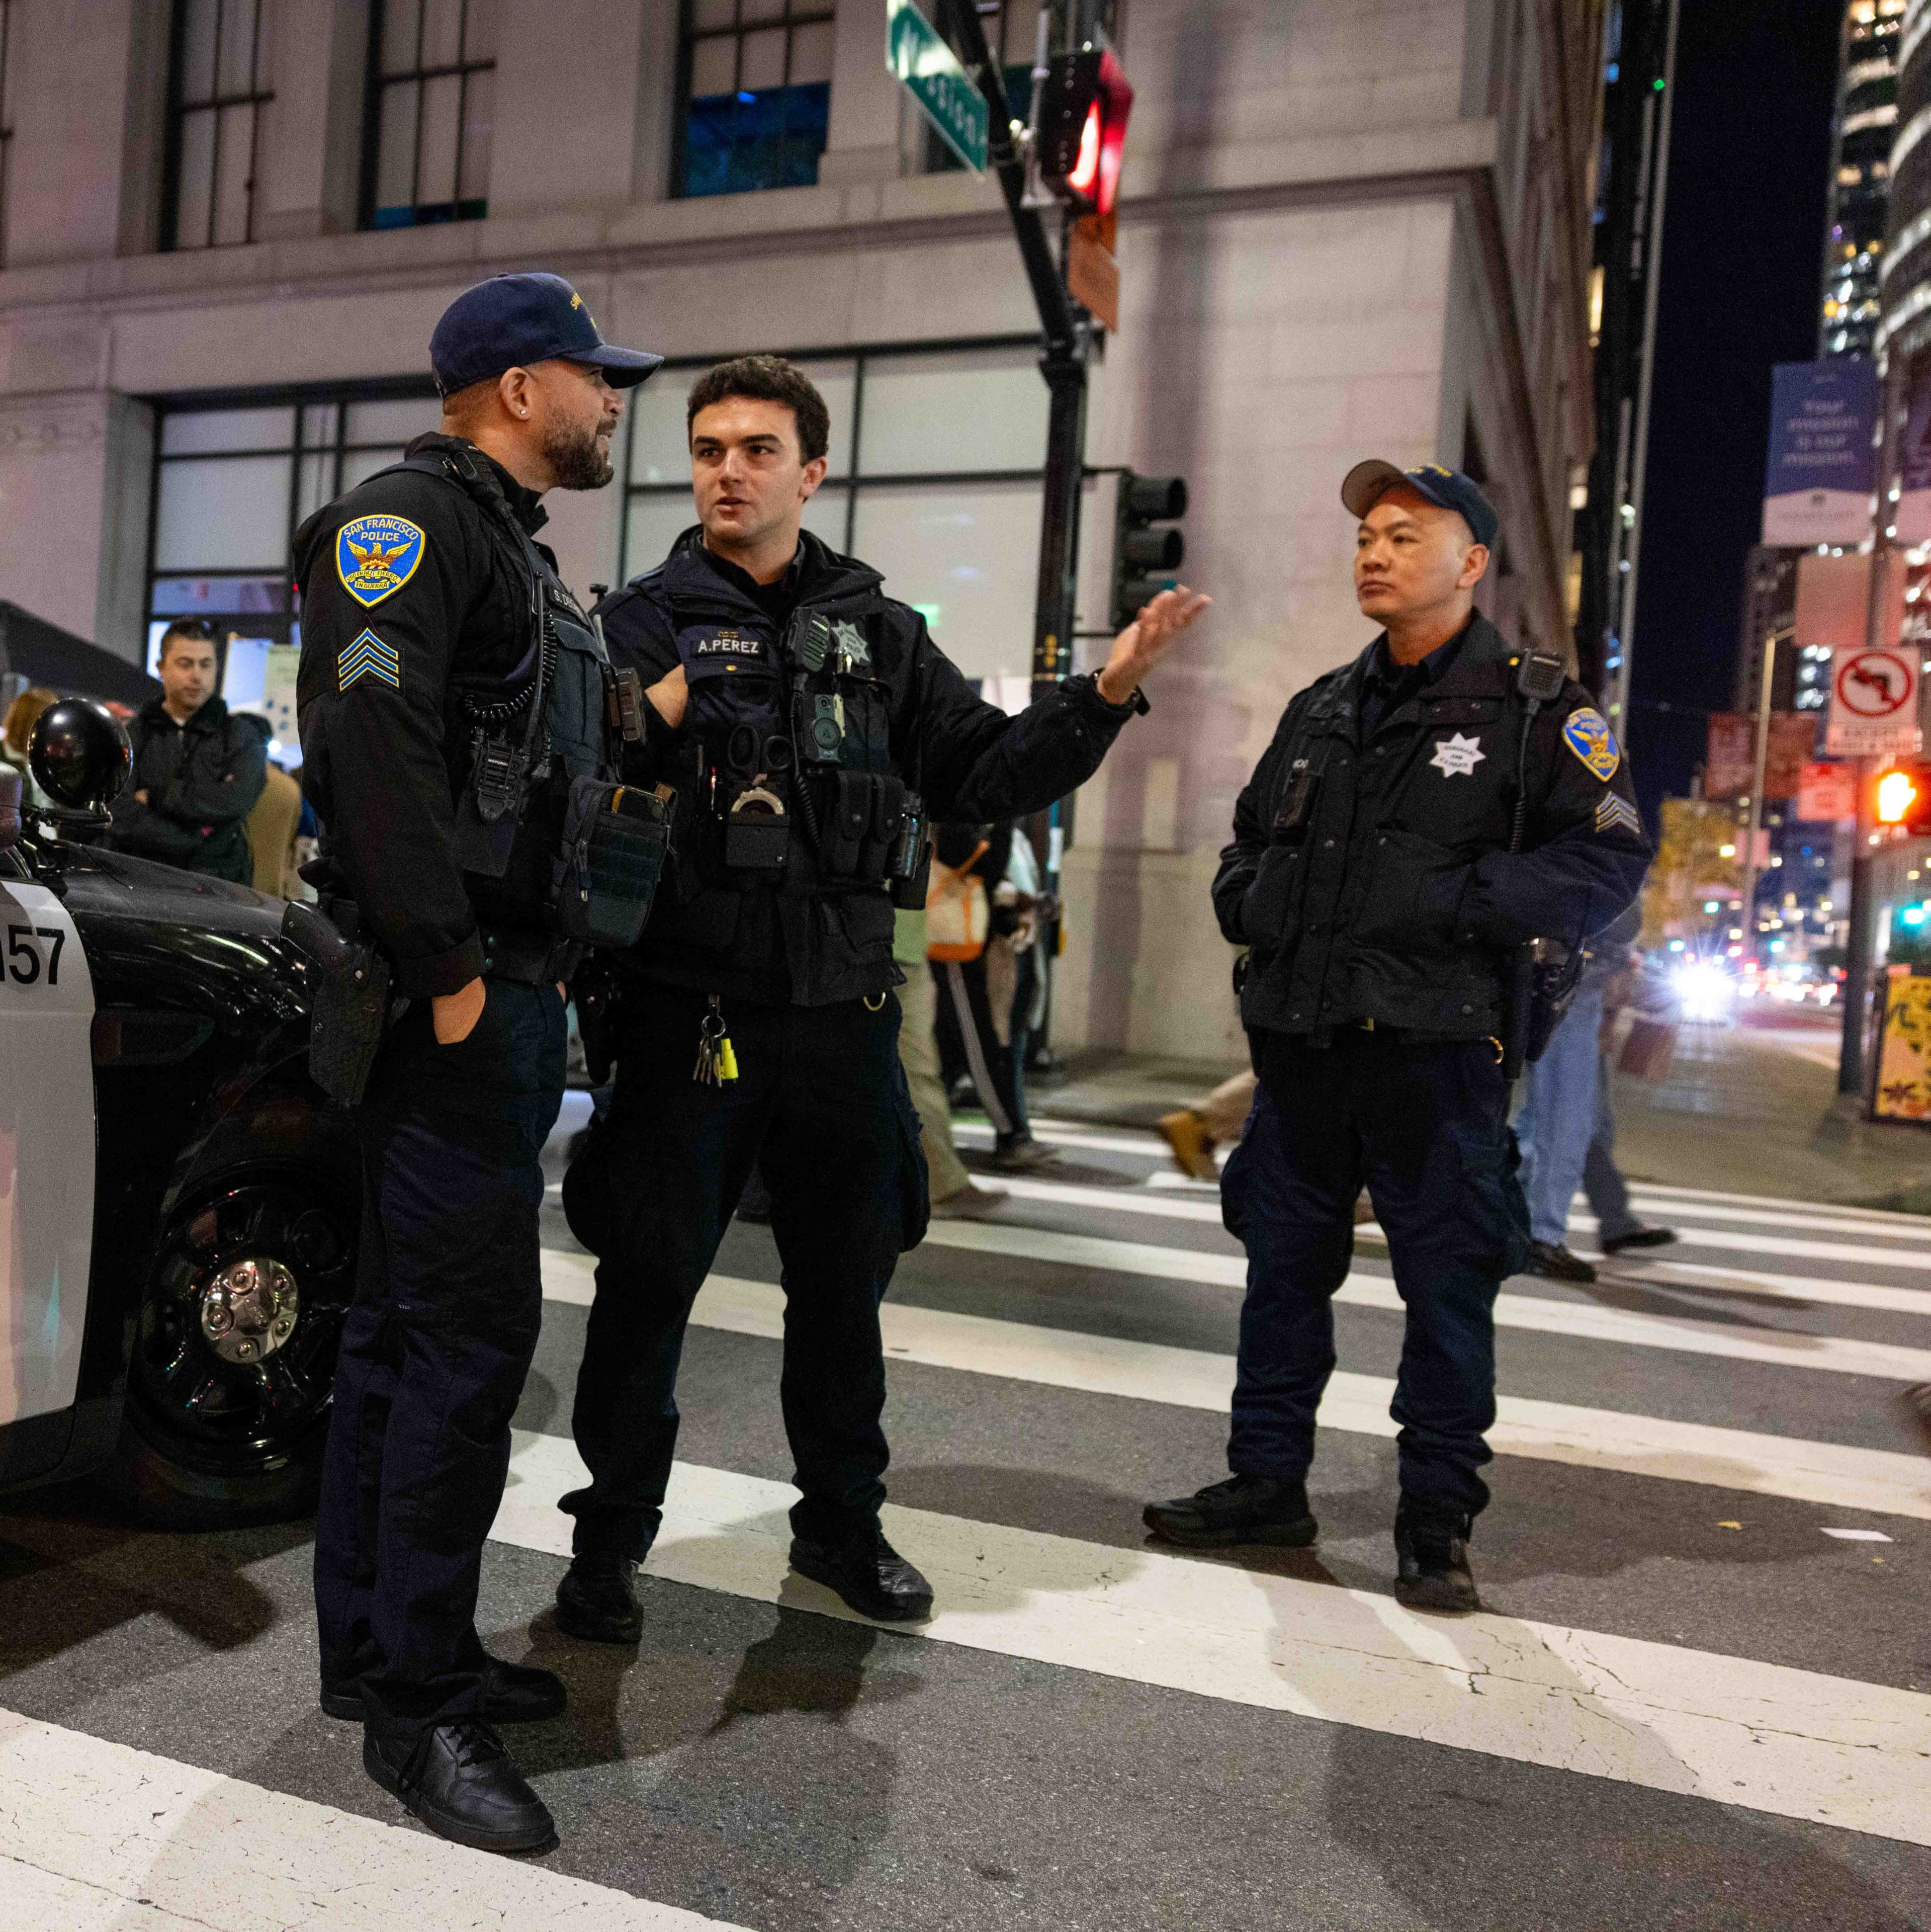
x=1879, y=1481
x=1760, y=1736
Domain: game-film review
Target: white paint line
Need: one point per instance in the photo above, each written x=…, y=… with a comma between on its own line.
x=100, y=1835
x=1898, y=1227
x=1884, y=1482
x=1586, y=1321
x=1149, y=1146
x=1112, y=1200
x=1789, y=1742
x=1859, y=1535
x=1665, y=1190
x=1800, y=1289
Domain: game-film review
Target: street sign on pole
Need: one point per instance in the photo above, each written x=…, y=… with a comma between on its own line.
x=1873, y=704
x=931, y=73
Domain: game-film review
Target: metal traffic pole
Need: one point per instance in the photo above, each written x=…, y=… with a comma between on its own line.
x=1758, y=772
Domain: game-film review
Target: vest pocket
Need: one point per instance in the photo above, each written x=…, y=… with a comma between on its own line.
x=1266, y=911
x=1414, y=888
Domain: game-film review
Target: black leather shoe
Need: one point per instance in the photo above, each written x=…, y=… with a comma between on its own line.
x=597, y=1601
x=1554, y=1262
x=1243, y=1509
x=1431, y=1570
x=869, y=1574
x=1639, y=1237
x=513, y=1693
x=460, y=1782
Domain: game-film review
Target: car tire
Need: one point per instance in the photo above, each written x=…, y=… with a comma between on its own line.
x=208, y=1440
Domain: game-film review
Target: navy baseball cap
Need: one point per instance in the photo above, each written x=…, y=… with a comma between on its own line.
x=511, y=321
x=1367, y=483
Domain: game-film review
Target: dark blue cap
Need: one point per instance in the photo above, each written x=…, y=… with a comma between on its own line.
x=1367, y=483
x=511, y=321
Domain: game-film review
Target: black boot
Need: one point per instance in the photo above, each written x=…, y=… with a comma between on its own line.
x=1431, y=1559
x=513, y=1693
x=1243, y=1509
x=868, y=1573
x=1554, y=1262
x=597, y=1599
x=460, y=1782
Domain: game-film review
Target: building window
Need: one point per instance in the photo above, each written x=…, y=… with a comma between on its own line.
x=233, y=478
x=215, y=99
x=757, y=94
x=936, y=460
x=426, y=132
x=6, y=115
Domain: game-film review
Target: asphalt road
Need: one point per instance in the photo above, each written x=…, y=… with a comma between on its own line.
x=1688, y=1702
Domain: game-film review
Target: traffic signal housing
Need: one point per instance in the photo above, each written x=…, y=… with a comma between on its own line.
x=1902, y=797
x=1082, y=133
x=1146, y=549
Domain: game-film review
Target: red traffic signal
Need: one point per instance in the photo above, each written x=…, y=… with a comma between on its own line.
x=1082, y=134
x=1902, y=797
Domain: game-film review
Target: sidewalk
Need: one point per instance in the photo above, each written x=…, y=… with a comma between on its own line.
x=1746, y=1110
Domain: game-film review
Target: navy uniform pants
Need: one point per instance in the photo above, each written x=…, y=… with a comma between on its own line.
x=435, y=1350
x=820, y=1105
x=1425, y=1126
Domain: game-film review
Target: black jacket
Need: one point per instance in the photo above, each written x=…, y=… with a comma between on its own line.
x=384, y=738
x=1373, y=879
x=202, y=779
x=800, y=939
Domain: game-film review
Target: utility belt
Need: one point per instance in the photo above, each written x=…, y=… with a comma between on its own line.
x=529, y=958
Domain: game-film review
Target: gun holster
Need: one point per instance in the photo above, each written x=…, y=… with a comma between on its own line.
x=350, y=1011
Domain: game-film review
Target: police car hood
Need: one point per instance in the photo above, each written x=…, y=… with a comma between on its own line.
x=102, y=883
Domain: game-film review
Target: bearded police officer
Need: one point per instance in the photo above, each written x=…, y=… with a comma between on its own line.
x=809, y=726
x=453, y=701
x=1421, y=814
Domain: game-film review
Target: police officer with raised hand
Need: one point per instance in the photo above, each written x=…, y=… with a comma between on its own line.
x=453, y=701
x=1422, y=814
x=809, y=726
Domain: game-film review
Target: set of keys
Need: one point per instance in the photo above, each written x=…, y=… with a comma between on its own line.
x=717, y=1061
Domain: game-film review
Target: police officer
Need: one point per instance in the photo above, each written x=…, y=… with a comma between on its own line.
x=1421, y=813
x=452, y=701
x=804, y=719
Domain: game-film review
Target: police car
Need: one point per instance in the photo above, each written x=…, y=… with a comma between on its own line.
x=178, y=1202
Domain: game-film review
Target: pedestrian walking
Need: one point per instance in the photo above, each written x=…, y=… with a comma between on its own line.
x=1421, y=813
x=807, y=724
x=438, y=646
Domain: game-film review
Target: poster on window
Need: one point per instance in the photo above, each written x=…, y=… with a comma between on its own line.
x=1822, y=468
x=1731, y=757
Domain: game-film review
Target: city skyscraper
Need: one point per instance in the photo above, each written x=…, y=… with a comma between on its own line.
x=1860, y=161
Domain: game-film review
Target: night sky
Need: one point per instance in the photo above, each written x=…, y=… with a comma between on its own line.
x=1742, y=257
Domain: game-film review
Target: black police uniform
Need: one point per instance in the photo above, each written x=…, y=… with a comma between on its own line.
x=1371, y=876
x=422, y=597
x=796, y=957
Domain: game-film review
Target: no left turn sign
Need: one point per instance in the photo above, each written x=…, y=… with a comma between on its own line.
x=1874, y=703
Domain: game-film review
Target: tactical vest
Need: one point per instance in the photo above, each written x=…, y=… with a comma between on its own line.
x=789, y=771
x=541, y=814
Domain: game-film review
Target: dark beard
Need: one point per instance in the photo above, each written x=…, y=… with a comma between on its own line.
x=574, y=460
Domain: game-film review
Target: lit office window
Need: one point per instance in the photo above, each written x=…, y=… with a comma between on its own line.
x=233, y=483
x=757, y=94
x=215, y=99
x=426, y=133
x=936, y=464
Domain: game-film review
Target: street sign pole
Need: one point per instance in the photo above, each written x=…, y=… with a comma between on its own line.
x=1759, y=773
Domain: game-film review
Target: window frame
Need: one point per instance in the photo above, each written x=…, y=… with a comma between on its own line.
x=824, y=13
x=376, y=85
x=217, y=103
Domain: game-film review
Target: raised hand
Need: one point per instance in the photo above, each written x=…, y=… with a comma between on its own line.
x=1148, y=639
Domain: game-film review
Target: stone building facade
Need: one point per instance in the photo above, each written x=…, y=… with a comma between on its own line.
x=1349, y=227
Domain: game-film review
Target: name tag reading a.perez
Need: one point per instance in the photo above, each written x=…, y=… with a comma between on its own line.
x=714, y=648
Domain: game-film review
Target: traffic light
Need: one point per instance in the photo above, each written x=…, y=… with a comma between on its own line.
x=1902, y=798
x=1145, y=556
x=1083, y=109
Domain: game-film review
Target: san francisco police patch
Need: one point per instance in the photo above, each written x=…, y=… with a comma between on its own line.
x=375, y=556
x=368, y=656
x=1587, y=733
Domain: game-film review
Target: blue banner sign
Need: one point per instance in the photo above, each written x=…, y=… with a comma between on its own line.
x=1822, y=467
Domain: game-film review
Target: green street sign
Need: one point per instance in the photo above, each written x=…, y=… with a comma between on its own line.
x=929, y=68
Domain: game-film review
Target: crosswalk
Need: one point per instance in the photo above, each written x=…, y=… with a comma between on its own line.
x=1704, y=1573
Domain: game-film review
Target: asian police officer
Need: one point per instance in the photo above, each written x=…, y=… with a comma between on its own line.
x=802, y=715
x=452, y=700
x=1421, y=813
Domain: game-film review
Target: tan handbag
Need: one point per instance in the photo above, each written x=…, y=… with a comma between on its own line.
x=957, y=915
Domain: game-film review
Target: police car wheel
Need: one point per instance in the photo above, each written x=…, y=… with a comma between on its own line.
x=234, y=1358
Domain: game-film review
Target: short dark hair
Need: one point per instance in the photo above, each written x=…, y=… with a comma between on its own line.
x=191, y=630
x=767, y=379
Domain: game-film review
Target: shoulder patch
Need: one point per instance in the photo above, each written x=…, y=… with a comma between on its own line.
x=375, y=556
x=368, y=656
x=1586, y=732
